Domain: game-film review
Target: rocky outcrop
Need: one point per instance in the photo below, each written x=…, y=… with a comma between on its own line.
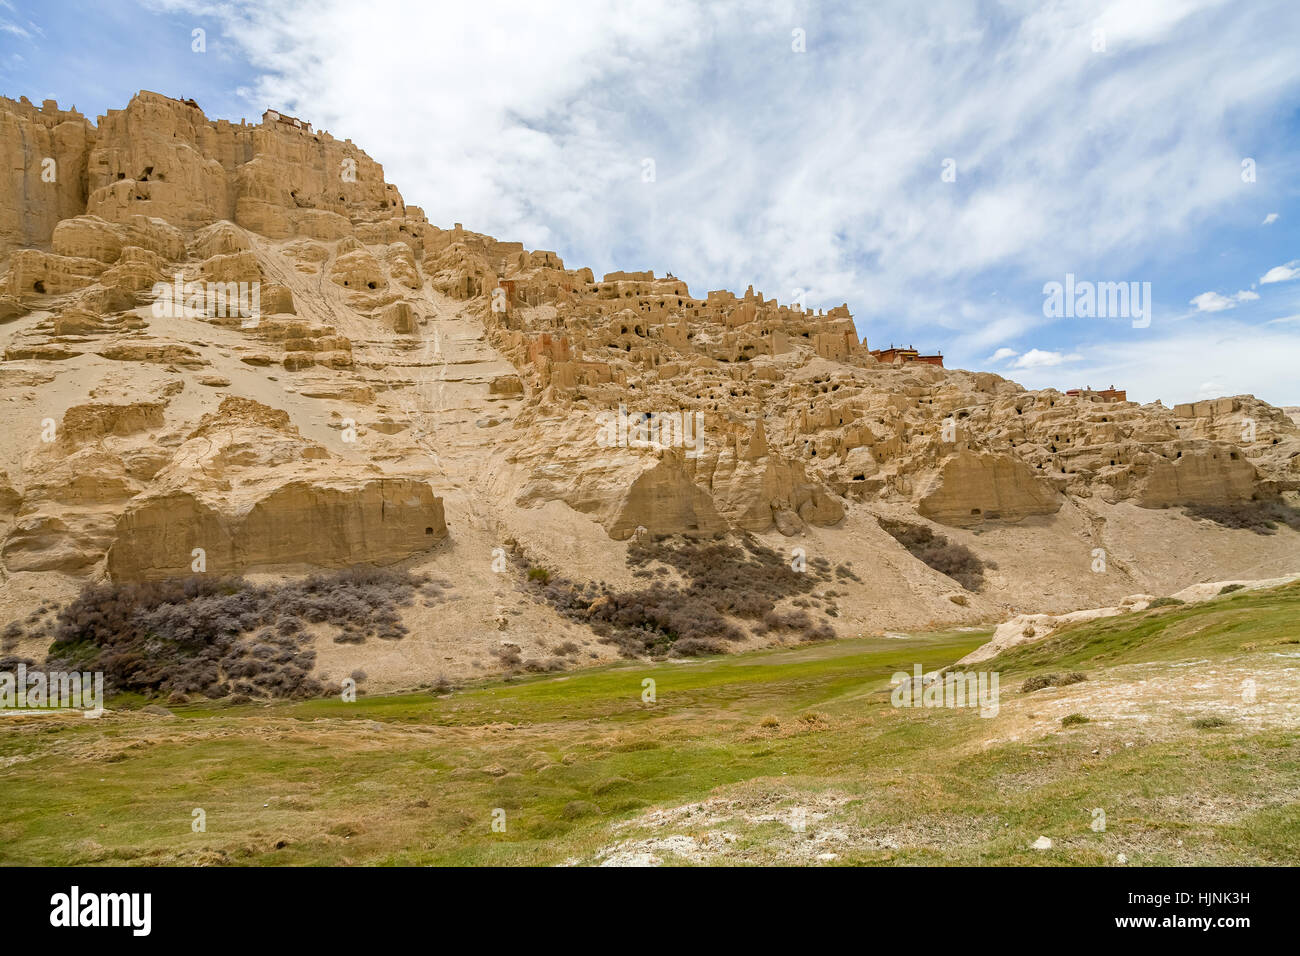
x=250, y=491
x=973, y=487
x=43, y=153
x=243, y=486
x=390, y=358
x=160, y=157
x=86, y=423
x=1210, y=476
x=371, y=522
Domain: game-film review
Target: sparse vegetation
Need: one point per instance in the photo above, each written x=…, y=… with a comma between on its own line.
x=934, y=550
x=916, y=786
x=510, y=656
x=1039, y=681
x=1261, y=517
x=726, y=584
x=1260, y=619
x=284, y=800
x=217, y=636
x=443, y=685
x=1209, y=723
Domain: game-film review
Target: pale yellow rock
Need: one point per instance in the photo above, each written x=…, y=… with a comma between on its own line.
x=334, y=525
x=219, y=239
x=972, y=487
x=43, y=152
x=10, y=308
x=34, y=273
x=399, y=317
x=232, y=267
x=88, y=237
x=358, y=271
x=136, y=269
x=1209, y=476
x=84, y=423
x=396, y=365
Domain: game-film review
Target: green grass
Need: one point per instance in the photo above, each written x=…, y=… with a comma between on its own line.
x=1210, y=629
x=575, y=760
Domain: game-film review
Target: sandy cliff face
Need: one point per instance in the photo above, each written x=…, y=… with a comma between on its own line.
x=247, y=490
x=157, y=196
x=383, y=389
x=43, y=152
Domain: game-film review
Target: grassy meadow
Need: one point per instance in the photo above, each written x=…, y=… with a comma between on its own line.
x=786, y=756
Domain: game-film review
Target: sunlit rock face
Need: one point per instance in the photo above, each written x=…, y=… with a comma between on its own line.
x=234, y=344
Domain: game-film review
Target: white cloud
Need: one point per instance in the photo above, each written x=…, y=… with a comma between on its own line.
x=817, y=170
x=1270, y=219
x=1038, y=358
x=1282, y=273
x=788, y=169
x=1257, y=360
x=1002, y=353
x=1212, y=302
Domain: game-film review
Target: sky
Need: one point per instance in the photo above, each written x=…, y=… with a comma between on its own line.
x=936, y=165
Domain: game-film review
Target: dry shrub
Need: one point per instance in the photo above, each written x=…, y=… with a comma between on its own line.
x=723, y=582
x=934, y=550
x=192, y=635
x=1039, y=681
x=1261, y=517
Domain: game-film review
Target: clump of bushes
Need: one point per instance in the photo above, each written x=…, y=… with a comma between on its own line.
x=1072, y=720
x=1209, y=723
x=10, y=636
x=1165, y=602
x=724, y=582
x=1261, y=517
x=934, y=550
x=443, y=685
x=845, y=571
x=509, y=655
x=1229, y=588
x=218, y=636
x=1039, y=681
x=9, y=663
x=39, y=623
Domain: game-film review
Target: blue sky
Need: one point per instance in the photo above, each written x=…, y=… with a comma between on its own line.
x=801, y=148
